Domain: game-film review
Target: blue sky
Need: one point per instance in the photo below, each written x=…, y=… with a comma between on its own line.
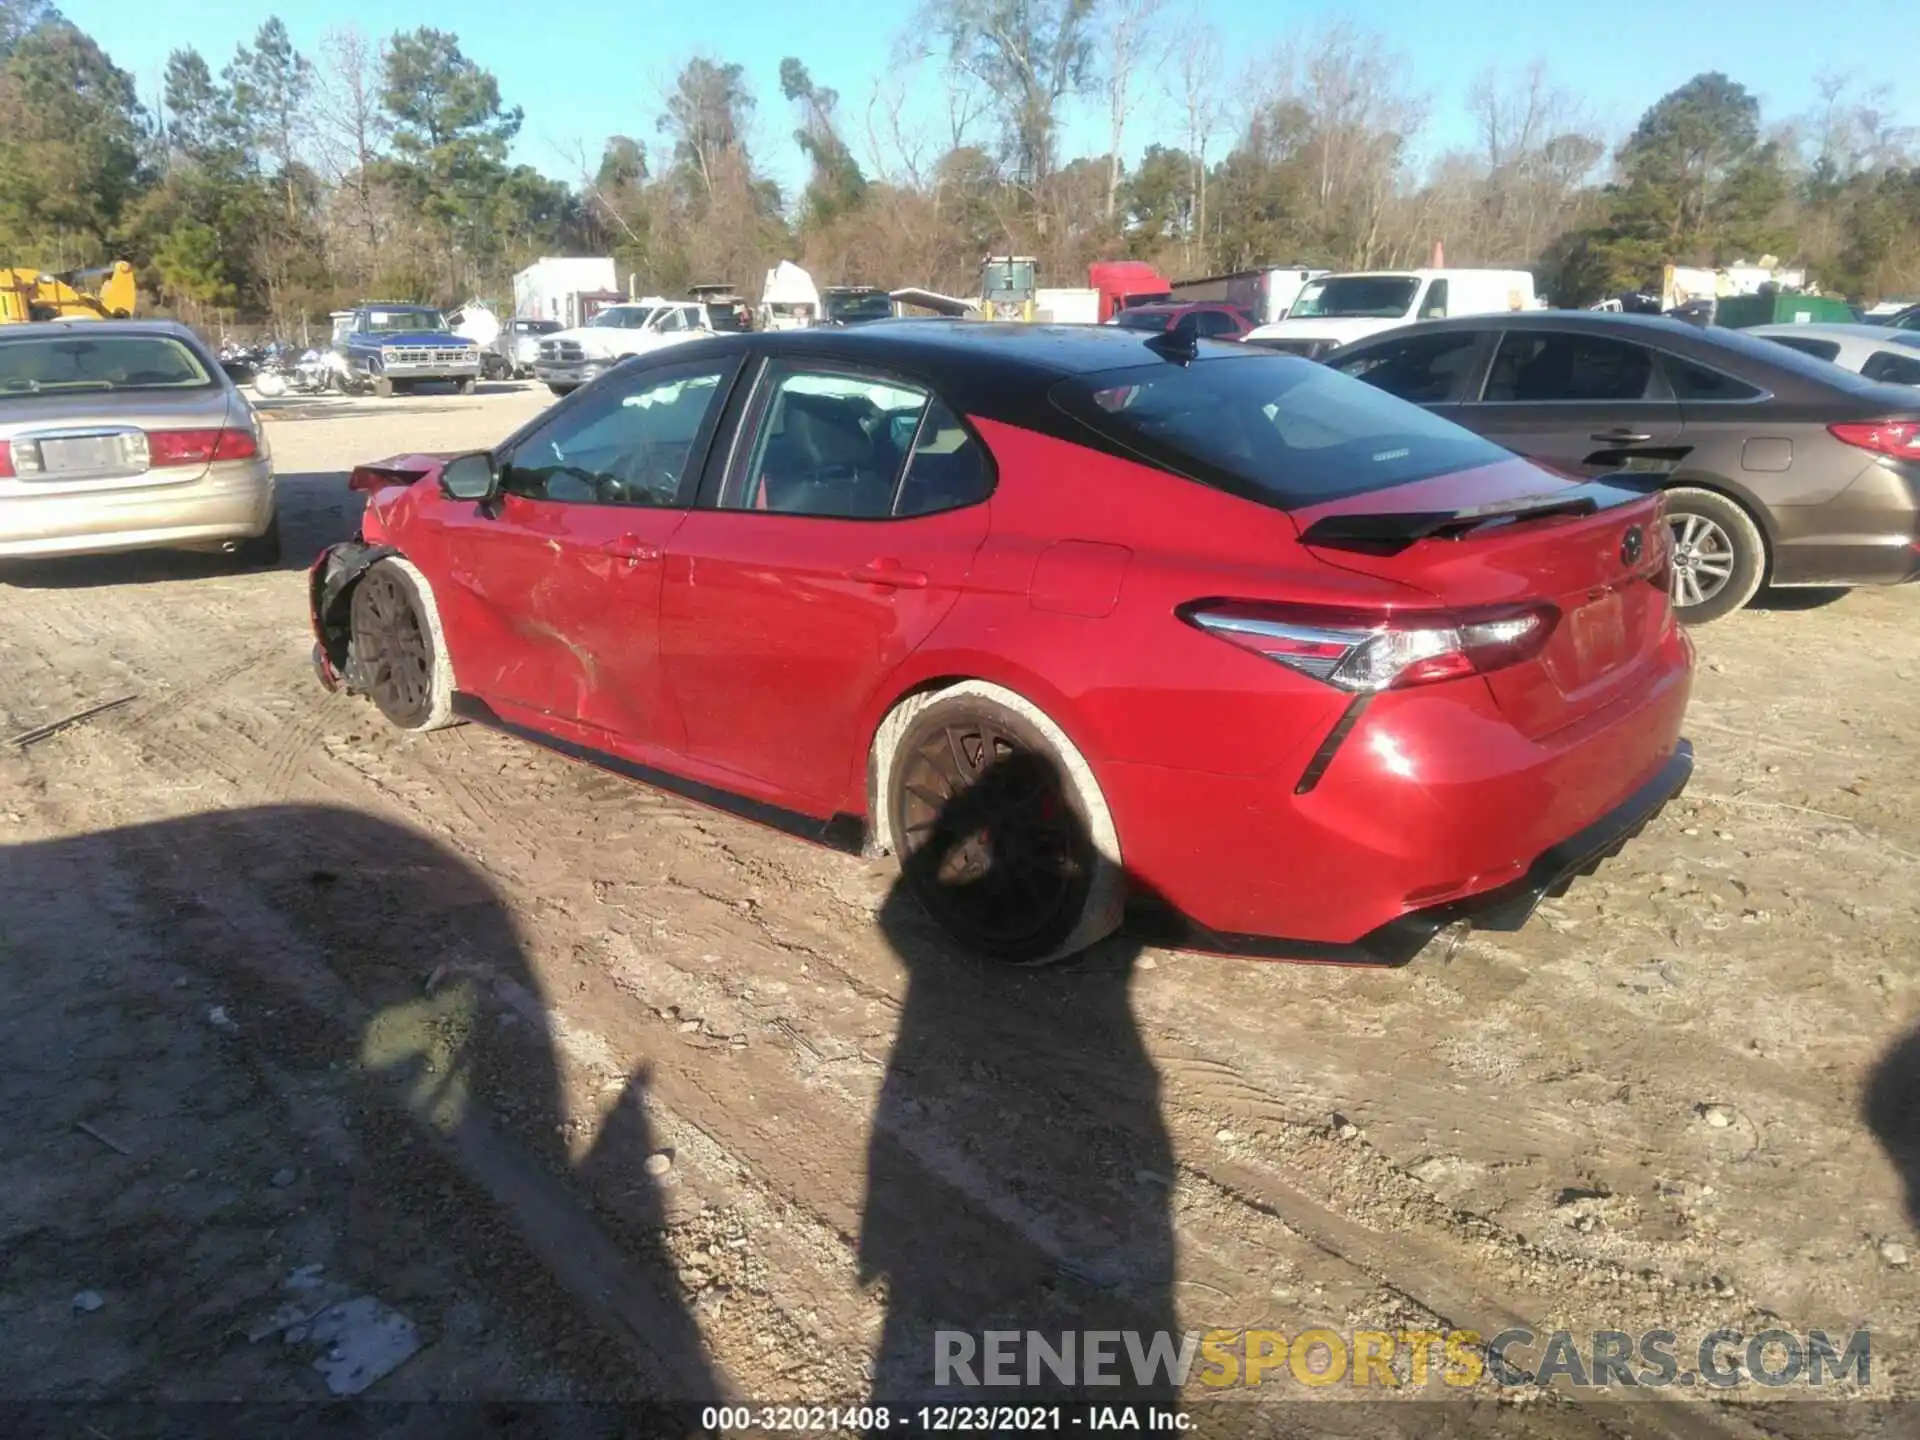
x=583, y=72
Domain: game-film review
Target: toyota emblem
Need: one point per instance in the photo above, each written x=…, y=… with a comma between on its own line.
x=1631, y=545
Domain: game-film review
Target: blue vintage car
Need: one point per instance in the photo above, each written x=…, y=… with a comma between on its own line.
x=394, y=347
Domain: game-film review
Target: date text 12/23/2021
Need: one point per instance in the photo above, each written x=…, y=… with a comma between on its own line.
x=943, y=1419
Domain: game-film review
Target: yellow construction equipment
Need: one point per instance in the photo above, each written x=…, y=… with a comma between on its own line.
x=1008, y=287
x=105, y=293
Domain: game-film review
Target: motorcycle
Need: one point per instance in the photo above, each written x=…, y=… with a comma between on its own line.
x=314, y=373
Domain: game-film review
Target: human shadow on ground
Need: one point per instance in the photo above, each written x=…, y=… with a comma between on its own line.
x=1892, y=1111
x=1019, y=1171
x=366, y=962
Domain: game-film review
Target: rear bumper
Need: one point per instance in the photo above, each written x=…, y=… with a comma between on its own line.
x=233, y=501
x=1432, y=808
x=1507, y=907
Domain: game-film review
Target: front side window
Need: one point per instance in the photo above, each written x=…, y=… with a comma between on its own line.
x=1889, y=367
x=1426, y=369
x=1279, y=430
x=627, y=442
x=1434, y=307
x=1807, y=345
x=853, y=447
x=68, y=362
x=1213, y=323
x=1545, y=366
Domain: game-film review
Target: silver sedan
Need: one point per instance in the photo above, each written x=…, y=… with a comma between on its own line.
x=127, y=435
x=1873, y=352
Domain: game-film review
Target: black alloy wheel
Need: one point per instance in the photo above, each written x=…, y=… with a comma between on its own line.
x=391, y=650
x=991, y=843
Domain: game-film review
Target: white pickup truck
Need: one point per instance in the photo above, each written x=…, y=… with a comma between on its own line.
x=1336, y=310
x=570, y=358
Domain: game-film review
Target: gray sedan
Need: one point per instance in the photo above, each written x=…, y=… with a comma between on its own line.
x=1779, y=469
x=127, y=435
x=1873, y=352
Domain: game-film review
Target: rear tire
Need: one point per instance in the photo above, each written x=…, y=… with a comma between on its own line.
x=396, y=648
x=562, y=390
x=1001, y=831
x=1719, y=554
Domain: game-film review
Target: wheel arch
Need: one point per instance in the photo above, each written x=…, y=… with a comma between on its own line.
x=892, y=721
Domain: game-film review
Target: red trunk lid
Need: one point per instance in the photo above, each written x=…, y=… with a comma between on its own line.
x=1603, y=571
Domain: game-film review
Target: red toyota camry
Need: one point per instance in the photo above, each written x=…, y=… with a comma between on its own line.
x=1061, y=617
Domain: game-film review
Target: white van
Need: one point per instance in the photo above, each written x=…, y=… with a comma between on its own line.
x=1336, y=310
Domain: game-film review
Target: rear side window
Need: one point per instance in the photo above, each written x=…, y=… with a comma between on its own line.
x=855, y=447
x=1890, y=368
x=1545, y=366
x=1807, y=345
x=73, y=362
x=1689, y=381
x=1426, y=369
x=1282, y=431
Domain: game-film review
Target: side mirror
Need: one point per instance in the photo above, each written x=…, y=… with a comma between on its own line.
x=470, y=477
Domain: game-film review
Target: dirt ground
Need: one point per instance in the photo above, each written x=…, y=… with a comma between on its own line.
x=612, y=1096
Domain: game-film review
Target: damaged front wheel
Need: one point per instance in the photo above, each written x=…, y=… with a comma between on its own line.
x=396, y=654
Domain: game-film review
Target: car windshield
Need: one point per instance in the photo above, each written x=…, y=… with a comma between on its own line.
x=392, y=322
x=40, y=364
x=1141, y=319
x=536, y=327
x=1356, y=297
x=1276, y=429
x=876, y=305
x=622, y=317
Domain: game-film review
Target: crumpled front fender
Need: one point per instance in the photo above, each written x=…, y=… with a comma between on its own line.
x=329, y=599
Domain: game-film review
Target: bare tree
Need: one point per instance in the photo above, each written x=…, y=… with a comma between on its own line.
x=1539, y=151
x=1193, y=74
x=1131, y=27
x=1028, y=55
x=349, y=133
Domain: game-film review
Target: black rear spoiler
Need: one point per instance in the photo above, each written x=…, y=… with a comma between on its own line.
x=1388, y=532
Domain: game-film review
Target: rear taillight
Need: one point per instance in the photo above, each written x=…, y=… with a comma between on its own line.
x=6, y=461
x=1364, y=653
x=1897, y=438
x=199, y=447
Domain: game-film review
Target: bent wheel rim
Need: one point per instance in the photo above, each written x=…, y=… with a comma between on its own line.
x=394, y=648
x=1703, y=559
x=990, y=842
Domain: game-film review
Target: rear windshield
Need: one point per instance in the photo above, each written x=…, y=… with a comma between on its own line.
x=877, y=305
x=46, y=364
x=1141, y=319
x=1286, y=432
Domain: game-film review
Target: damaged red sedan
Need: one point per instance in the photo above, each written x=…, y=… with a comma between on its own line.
x=1063, y=618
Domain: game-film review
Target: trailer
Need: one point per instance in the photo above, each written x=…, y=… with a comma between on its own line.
x=569, y=289
x=1264, y=294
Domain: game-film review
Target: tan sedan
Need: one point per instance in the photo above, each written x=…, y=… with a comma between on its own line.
x=127, y=435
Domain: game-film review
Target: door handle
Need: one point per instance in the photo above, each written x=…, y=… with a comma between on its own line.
x=1623, y=437
x=632, y=549
x=889, y=573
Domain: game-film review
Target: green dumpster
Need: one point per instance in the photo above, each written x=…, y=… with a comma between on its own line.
x=1737, y=312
